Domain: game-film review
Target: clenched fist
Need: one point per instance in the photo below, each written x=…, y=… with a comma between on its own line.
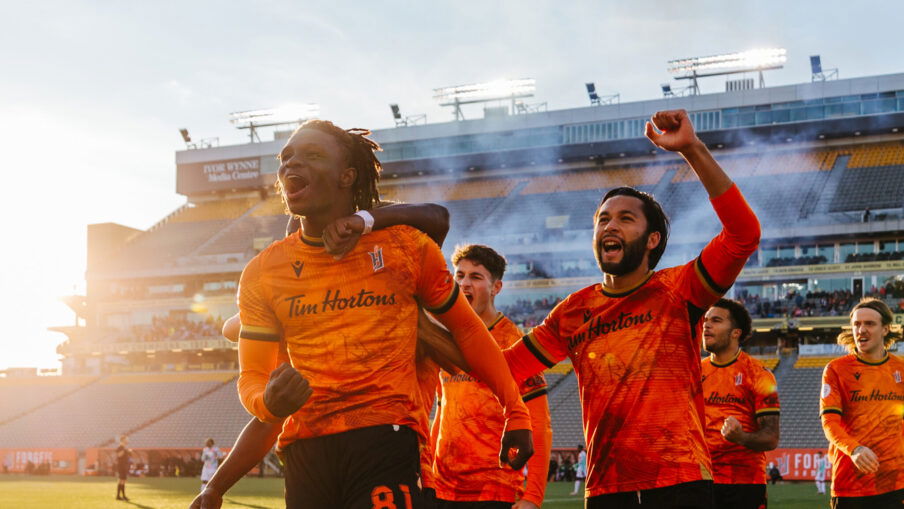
x=341, y=236
x=676, y=131
x=732, y=430
x=286, y=391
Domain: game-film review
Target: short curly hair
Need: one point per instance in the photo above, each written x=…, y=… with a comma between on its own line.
x=483, y=255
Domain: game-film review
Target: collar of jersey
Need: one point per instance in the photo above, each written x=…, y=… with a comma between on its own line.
x=712, y=360
x=311, y=241
x=608, y=292
x=496, y=321
x=872, y=363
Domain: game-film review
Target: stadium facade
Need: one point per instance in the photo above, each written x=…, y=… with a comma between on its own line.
x=821, y=163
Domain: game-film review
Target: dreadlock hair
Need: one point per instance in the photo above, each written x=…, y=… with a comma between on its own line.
x=360, y=154
x=846, y=338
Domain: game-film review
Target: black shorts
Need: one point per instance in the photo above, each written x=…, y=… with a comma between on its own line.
x=367, y=468
x=739, y=496
x=123, y=472
x=892, y=499
x=446, y=504
x=689, y=495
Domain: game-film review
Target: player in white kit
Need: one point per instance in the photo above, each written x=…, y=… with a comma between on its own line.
x=821, y=467
x=211, y=456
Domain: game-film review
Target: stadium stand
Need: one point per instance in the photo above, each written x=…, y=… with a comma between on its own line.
x=21, y=396
x=799, y=394
x=565, y=410
x=874, y=188
x=116, y=404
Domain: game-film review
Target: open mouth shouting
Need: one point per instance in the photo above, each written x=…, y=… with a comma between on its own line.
x=294, y=186
x=612, y=246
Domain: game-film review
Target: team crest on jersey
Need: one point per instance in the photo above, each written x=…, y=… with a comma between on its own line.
x=897, y=377
x=377, y=258
x=739, y=379
x=826, y=390
x=297, y=266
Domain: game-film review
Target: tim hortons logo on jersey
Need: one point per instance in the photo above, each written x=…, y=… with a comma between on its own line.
x=603, y=325
x=876, y=395
x=335, y=302
x=377, y=258
x=717, y=399
x=297, y=266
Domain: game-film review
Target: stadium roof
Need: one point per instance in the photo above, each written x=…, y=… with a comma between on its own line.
x=834, y=108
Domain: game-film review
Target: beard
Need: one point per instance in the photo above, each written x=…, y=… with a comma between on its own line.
x=632, y=256
x=719, y=346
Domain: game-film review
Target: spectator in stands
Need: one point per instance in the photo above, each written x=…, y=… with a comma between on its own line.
x=741, y=408
x=866, y=215
x=860, y=408
x=636, y=318
x=123, y=460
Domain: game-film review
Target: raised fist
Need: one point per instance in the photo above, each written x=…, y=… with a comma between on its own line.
x=341, y=236
x=676, y=132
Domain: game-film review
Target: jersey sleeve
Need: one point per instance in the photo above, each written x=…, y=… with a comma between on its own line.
x=765, y=393
x=831, y=409
x=259, y=343
x=435, y=288
x=541, y=348
x=541, y=430
x=709, y=276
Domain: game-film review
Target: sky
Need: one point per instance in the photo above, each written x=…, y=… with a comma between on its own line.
x=92, y=94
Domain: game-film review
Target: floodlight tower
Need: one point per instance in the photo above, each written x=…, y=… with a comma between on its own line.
x=755, y=60
x=289, y=114
x=499, y=90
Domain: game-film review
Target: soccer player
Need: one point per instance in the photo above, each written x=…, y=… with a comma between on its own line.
x=820, y=476
x=123, y=460
x=861, y=408
x=350, y=327
x=469, y=422
x=741, y=408
x=210, y=456
x=633, y=338
x=258, y=438
x=580, y=469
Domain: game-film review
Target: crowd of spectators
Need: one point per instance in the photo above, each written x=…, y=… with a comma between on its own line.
x=172, y=328
x=874, y=257
x=529, y=313
x=800, y=260
x=821, y=303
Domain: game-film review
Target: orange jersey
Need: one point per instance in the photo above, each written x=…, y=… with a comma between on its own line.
x=636, y=355
x=863, y=404
x=746, y=390
x=350, y=326
x=428, y=381
x=466, y=463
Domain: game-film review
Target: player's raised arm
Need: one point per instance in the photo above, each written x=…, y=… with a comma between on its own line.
x=341, y=236
x=725, y=256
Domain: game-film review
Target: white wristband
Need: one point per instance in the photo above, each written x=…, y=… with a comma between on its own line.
x=368, y=221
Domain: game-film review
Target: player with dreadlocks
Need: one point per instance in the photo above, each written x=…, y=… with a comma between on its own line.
x=350, y=401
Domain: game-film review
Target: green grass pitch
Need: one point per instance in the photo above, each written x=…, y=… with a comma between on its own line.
x=71, y=492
